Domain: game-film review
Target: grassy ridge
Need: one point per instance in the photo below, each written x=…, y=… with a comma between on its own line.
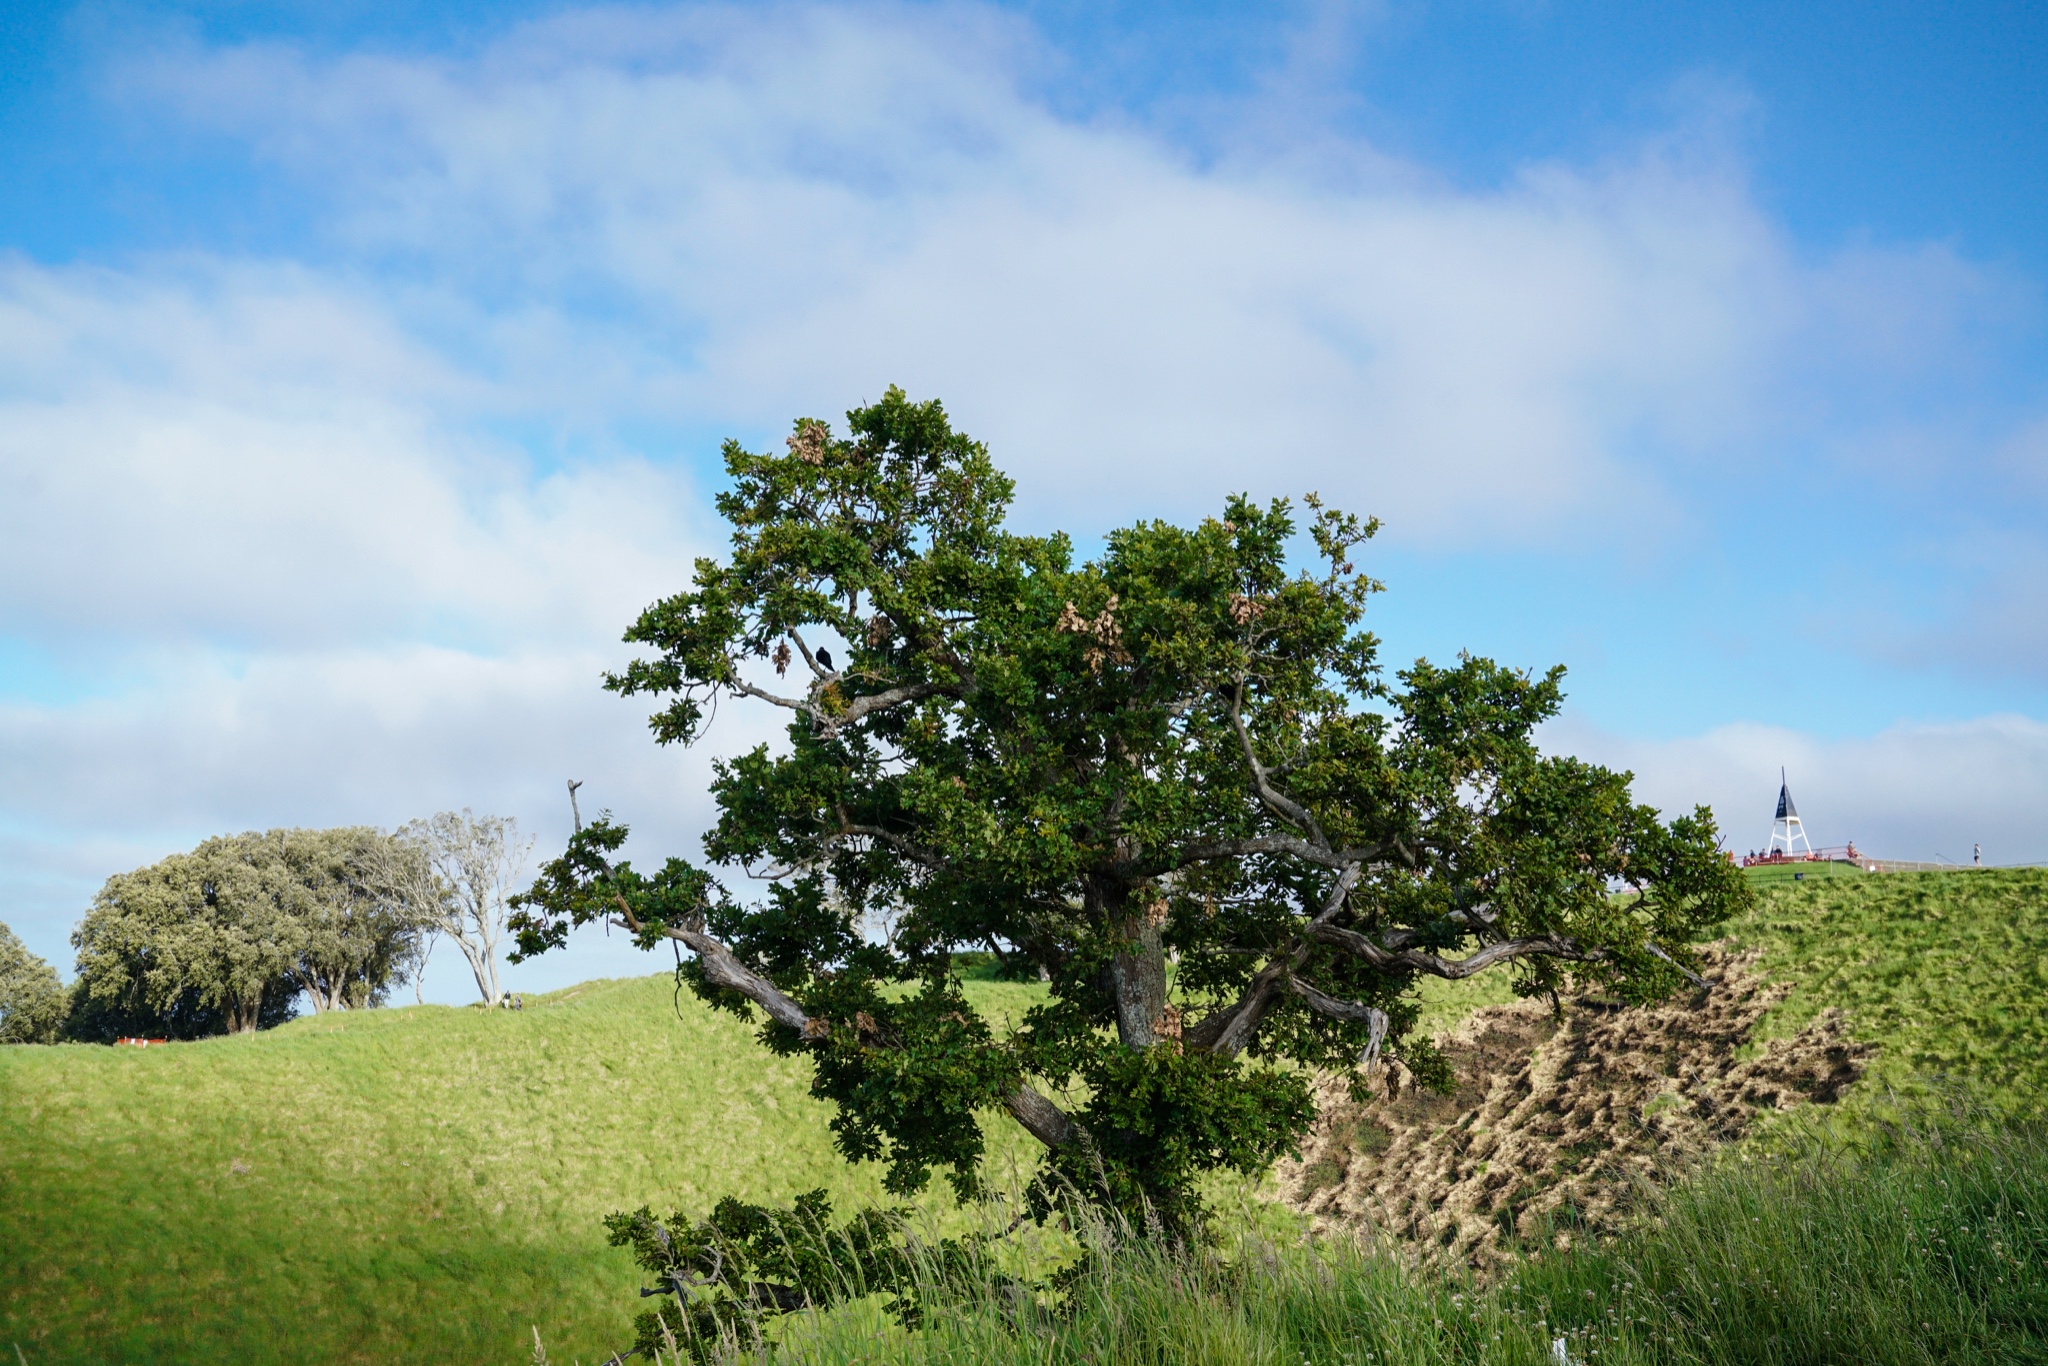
x=1947, y=971
x=424, y=1184
x=418, y=1184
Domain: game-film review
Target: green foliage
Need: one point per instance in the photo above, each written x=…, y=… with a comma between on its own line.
x=223, y=938
x=1163, y=1118
x=747, y=1264
x=1185, y=750
x=196, y=944
x=32, y=999
x=344, y=890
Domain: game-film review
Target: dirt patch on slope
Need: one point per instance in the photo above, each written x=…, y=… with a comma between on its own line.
x=1553, y=1127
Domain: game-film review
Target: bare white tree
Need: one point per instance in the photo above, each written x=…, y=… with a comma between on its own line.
x=416, y=965
x=467, y=866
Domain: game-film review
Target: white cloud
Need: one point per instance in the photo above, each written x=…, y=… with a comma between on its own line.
x=800, y=203
x=281, y=500
x=259, y=517
x=260, y=455
x=1922, y=790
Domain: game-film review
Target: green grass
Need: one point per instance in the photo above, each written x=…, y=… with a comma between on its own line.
x=1770, y=874
x=1446, y=1004
x=426, y=1184
x=1927, y=1245
x=1947, y=972
x=420, y=1184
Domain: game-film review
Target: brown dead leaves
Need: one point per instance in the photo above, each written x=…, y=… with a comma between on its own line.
x=1104, y=636
x=808, y=444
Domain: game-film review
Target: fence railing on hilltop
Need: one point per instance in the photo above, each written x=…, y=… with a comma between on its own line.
x=1850, y=854
x=1836, y=857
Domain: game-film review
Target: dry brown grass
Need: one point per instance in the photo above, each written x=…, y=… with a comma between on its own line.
x=1555, y=1128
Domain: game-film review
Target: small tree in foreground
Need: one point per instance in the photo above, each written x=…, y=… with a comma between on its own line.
x=1174, y=779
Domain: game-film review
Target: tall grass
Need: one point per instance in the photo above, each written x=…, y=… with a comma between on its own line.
x=1925, y=1243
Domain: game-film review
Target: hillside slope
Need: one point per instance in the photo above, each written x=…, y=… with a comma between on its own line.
x=1853, y=990
x=1947, y=973
x=425, y=1184
x=416, y=1184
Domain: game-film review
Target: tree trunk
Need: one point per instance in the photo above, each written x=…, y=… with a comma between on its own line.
x=484, y=964
x=323, y=996
x=1139, y=973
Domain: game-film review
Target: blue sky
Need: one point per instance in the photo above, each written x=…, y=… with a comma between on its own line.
x=362, y=369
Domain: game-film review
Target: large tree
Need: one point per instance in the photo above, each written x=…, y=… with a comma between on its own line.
x=1174, y=779
x=359, y=923
x=194, y=944
x=223, y=938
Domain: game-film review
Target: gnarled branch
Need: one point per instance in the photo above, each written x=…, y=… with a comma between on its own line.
x=1702, y=983
x=1227, y=1032
x=1372, y=1017
x=1453, y=969
x=1278, y=802
x=1042, y=1119
x=829, y=723
x=1322, y=1003
x=913, y=852
x=1293, y=845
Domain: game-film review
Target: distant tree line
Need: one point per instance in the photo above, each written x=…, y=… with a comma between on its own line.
x=227, y=938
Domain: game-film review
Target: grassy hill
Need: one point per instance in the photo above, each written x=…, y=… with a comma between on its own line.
x=394, y=1185
x=1946, y=972
x=426, y=1184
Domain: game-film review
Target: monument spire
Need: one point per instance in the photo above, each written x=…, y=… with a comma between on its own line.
x=1787, y=830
